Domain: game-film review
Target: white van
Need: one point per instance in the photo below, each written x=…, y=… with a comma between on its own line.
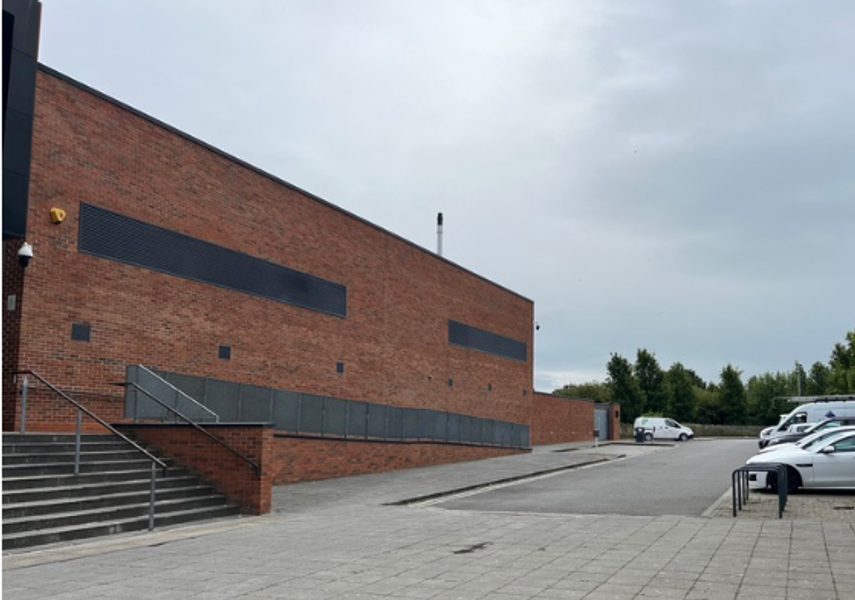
x=661, y=428
x=812, y=412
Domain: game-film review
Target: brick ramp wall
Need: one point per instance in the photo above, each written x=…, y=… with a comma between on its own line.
x=231, y=475
x=303, y=459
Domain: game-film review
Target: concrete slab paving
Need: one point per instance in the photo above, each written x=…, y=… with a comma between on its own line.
x=347, y=538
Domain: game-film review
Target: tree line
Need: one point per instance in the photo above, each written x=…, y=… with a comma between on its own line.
x=645, y=388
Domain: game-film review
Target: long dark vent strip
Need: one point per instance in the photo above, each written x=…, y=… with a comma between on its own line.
x=473, y=338
x=117, y=237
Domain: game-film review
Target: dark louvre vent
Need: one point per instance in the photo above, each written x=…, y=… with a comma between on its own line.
x=485, y=341
x=117, y=237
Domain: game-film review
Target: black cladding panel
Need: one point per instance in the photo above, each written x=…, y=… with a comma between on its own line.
x=467, y=336
x=21, y=22
x=110, y=235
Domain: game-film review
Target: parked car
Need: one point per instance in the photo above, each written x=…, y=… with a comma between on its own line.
x=808, y=441
x=827, y=463
x=794, y=436
x=661, y=428
x=812, y=412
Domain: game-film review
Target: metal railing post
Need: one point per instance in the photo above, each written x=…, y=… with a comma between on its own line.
x=24, y=388
x=77, y=442
x=151, y=499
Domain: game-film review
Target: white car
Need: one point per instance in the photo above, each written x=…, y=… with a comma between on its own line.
x=829, y=462
x=807, y=441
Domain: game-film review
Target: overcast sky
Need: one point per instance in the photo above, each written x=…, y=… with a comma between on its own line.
x=672, y=175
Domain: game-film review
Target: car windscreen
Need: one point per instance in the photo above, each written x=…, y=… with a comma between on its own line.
x=819, y=437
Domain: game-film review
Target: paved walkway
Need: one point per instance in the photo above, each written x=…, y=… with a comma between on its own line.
x=347, y=538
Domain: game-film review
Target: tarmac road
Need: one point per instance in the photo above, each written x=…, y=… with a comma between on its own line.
x=684, y=480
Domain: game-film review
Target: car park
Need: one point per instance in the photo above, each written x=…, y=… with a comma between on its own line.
x=829, y=462
x=795, y=434
x=662, y=428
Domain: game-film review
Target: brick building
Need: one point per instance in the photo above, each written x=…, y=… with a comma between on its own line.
x=175, y=255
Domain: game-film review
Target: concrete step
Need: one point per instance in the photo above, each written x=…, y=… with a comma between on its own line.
x=14, y=541
x=86, y=455
x=64, y=468
x=30, y=482
x=45, y=502
x=111, y=498
x=94, y=489
x=62, y=447
x=41, y=438
x=108, y=513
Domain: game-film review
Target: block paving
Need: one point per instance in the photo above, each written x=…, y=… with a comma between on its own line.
x=346, y=538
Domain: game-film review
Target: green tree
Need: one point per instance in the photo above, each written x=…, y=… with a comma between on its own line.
x=764, y=394
x=842, y=364
x=707, y=406
x=651, y=380
x=593, y=390
x=624, y=388
x=798, y=380
x=818, y=380
x=697, y=381
x=732, y=397
x=681, y=396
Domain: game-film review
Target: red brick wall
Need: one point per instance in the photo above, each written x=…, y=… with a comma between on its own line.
x=301, y=459
x=47, y=411
x=556, y=419
x=13, y=285
x=231, y=475
x=393, y=342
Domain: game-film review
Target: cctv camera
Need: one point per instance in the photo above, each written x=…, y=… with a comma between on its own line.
x=25, y=254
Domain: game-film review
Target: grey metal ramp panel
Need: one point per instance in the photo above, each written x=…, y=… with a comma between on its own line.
x=395, y=423
x=193, y=410
x=453, y=427
x=436, y=425
x=378, y=415
x=140, y=406
x=190, y=385
x=357, y=419
x=476, y=434
x=502, y=433
x=286, y=410
x=466, y=428
x=413, y=424
x=311, y=414
x=335, y=416
x=255, y=404
x=223, y=397
x=489, y=431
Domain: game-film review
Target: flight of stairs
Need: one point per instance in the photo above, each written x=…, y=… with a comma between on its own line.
x=44, y=502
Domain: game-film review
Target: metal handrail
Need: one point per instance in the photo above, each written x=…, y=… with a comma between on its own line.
x=82, y=409
x=189, y=421
x=177, y=391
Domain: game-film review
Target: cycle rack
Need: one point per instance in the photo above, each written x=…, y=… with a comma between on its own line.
x=739, y=484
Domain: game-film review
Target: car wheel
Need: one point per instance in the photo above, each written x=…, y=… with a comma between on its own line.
x=683, y=437
x=648, y=437
x=794, y=480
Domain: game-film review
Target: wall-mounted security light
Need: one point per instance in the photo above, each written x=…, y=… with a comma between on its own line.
x=25, y=254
